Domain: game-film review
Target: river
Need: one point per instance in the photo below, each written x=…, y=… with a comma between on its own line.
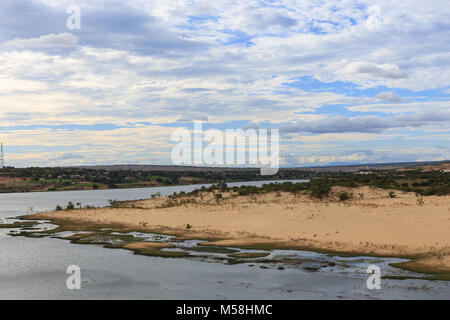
x=36, y=268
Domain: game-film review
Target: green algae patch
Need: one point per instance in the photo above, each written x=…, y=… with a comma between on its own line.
x=114, y=237
x=102, y=237
x=154, y=249
x=18, y=224
x=211, y=249
x=311, y=269
x=27, y=234
x=249, y=255
x=241, y=261
x=414, y=265
x=287, y=245
x=432, y=273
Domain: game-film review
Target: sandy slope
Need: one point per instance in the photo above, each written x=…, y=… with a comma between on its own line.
x=372, y=223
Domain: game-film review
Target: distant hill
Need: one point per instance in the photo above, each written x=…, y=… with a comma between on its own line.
x=425, y=165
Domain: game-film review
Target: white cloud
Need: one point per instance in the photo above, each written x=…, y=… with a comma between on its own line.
x=252, y=51
x=389, y=96
x=60, y=40
x=390, y=71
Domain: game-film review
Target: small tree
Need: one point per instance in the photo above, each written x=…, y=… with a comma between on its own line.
x=70, y=206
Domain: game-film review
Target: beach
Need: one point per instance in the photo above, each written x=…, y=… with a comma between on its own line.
x=371, y=222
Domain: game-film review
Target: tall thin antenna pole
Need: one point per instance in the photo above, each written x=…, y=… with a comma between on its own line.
x=2, y=158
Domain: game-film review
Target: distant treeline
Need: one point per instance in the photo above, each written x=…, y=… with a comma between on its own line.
x=423, y=183
x=55, y=179
x=167, y=177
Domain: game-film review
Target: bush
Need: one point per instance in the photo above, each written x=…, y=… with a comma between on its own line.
x=58, y=208
x=70, y=206
x=392, y=194
x=320, y=191
x=114, y=203
x=343, y=196
x=420, y=201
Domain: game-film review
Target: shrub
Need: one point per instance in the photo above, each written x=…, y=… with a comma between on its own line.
x=114, y=203
x=392, y=194
x=70, y=206
x=156, y=195
x=420, y=201
x=320, y=190
x=343, y=196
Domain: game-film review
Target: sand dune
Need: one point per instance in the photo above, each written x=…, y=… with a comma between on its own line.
x=370, y=223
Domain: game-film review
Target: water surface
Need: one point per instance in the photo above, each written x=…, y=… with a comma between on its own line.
x=35, y=268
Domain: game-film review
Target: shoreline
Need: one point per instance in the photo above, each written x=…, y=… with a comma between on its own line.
x=286, y=221
x=157, y=186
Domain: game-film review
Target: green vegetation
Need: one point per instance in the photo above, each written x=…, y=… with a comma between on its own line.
x=248, y=255
x=431, y=183
x=407, y=179
x=156, y=251
x=116, y=236
x=420, y=201
x=344, y=196
x=70, y=206
x=18, y=224
x=115, y=203
x=211, y=249
x=71, y=178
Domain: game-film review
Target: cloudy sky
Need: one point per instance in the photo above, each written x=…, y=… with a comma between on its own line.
x=344, y=81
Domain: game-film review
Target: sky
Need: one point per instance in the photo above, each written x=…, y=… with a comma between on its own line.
x=345, y=82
